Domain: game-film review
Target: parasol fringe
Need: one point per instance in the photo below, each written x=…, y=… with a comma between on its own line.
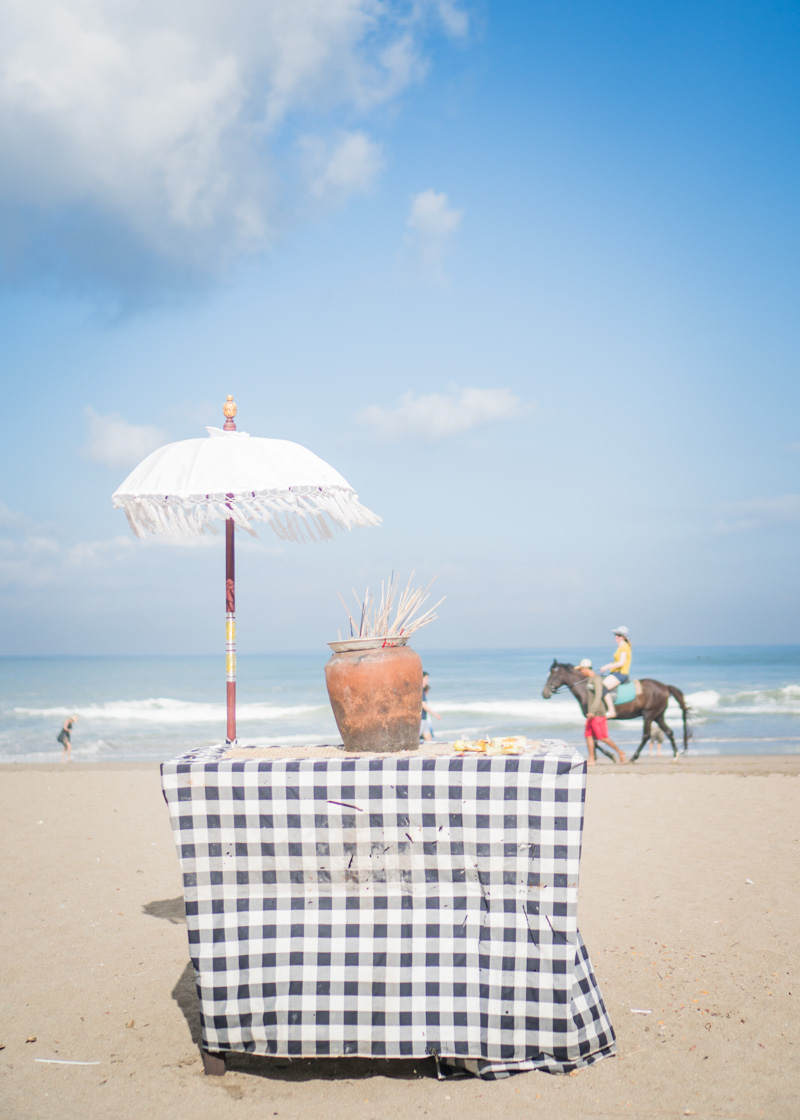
x=301, y=514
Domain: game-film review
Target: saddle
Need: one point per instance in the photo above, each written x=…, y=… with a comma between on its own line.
x=624, y=693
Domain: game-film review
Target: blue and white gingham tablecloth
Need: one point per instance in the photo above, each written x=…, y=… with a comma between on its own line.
x=389, y=907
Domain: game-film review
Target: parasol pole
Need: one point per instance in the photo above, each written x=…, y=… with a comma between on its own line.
x=229, y=410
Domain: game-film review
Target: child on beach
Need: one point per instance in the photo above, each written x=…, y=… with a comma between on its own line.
x=65, y=740
x=425, y=727
x=656, y=738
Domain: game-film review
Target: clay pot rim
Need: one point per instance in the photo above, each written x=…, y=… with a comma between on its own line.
x=351, y=645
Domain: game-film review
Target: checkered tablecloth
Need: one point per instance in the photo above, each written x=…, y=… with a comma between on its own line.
x=389, y=907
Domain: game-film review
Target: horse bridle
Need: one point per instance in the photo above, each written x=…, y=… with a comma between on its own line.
x=556, y=688
x=560, y=685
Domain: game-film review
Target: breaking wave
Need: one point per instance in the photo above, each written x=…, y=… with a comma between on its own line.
x=173, y=712
x=564, y=710
x=768, y=701
x=558, y=710
x=561, y=711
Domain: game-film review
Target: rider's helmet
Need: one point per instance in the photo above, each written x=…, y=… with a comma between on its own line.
x=622, y=630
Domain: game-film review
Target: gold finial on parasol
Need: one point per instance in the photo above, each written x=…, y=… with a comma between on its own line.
x=229, y=411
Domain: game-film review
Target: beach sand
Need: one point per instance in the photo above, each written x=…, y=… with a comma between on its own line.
x=688, y=904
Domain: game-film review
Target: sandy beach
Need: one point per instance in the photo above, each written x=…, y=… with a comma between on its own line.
x=688, y=903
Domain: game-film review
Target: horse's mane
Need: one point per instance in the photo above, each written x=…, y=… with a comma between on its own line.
x=564, y=665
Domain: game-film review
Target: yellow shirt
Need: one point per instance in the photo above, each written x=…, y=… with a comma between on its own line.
x=623, y=658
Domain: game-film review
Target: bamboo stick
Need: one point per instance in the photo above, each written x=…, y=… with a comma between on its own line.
x=375, y=619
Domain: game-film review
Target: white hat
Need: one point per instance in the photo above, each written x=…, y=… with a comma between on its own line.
x=623, y=630
x=585, y=664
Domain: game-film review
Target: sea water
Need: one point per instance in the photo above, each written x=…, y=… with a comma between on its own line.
x=743, y=699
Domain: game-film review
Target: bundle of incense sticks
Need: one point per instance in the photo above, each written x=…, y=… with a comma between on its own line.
x=375, y=618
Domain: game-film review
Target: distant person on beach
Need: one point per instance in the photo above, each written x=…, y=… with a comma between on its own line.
x=425, y=727
x=618, y=670
x=596, y=728
x=656, y=738
x=65, y=740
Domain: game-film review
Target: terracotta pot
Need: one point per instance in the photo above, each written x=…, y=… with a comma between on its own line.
x=376, y=696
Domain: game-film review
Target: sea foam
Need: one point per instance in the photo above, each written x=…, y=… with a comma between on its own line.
x=162, y=710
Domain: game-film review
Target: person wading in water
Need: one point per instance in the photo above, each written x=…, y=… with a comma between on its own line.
x=65, y=740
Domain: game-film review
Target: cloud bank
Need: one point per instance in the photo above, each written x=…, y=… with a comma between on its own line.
x=145, y=143
x=33, y=555
x=38, y=555
x=758, y=513
x=436, y=416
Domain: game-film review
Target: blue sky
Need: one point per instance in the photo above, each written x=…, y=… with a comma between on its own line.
x=525, y=273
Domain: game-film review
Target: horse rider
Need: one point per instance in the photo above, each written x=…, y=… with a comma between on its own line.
x=618, y=670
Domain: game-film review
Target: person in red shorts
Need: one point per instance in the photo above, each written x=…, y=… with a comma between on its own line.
x=596, y=729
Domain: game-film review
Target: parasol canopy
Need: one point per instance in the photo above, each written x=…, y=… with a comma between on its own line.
x=231, y=478
x=187, y=488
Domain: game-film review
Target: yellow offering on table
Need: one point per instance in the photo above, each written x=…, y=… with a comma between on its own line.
x=509, y=744
x=477, y=746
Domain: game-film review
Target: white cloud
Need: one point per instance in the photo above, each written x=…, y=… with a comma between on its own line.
x=12, y=520
x=757, y=513
x=432, y=216
x=159, y=124
x=98, y=554
x=349, y=165
x=29, y=553
x=454, y=19
x=436, y=416
x=117, y=443
x=432, y=222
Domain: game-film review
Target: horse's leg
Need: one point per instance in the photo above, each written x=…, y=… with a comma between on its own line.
x=647, y=720
x=662, y=723
x=603, y=750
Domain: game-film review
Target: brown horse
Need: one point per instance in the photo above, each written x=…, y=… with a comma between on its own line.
x=651, y=705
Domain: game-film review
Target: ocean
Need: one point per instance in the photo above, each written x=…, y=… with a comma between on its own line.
x=744, y=700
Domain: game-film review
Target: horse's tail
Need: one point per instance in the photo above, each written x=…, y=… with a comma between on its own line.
x=687, y=731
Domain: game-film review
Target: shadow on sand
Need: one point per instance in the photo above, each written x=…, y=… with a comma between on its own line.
x=281, y=1069
x=299, y=1069
x=170, y=909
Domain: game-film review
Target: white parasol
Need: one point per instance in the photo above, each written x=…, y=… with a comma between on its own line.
x=187, y=488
